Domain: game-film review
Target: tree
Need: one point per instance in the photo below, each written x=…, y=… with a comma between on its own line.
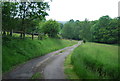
x=77, y=28
x=51, y=27
x=71, y=30
x=31, y=11
x=67, y=31
x=105, y=30
x=118, y=18
x=85, y=32
x=61, y=25
x=39, y=30
x=9, y=11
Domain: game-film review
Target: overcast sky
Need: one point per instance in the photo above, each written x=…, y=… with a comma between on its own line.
x=64, y=10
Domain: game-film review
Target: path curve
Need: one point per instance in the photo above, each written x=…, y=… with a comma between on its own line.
x=51, y=66
x=55, y=69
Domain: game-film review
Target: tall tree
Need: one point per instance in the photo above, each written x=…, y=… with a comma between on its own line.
x=31, y=11
x=9, y=11
x=67, y=31
x=85, y=32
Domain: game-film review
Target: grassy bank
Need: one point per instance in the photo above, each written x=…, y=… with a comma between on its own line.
x=17, y=51
x=96, y=61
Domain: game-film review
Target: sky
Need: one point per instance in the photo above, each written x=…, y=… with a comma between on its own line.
x=64, y=10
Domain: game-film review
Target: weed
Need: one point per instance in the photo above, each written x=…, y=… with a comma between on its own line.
x=36, y=76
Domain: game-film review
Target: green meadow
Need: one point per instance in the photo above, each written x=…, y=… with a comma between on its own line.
x=95, y=61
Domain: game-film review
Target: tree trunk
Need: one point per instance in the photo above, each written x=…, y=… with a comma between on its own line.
x=4, y=33
x=24, y=33
x=23, y=20
x=21, y=35
x=38, y=36
x=32, y=36
x=7, y=32
x=11, y=32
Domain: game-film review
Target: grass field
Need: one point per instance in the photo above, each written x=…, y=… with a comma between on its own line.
x=96, y=61
x=17, y=51
x=26, y=35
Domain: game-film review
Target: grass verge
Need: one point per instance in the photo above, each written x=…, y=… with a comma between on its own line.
x=17, y=51
x=68, y=69
x=96, y=61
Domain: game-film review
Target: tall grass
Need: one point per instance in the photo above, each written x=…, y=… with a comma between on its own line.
x=68, y=68
x=17, y=51
x=96, y=61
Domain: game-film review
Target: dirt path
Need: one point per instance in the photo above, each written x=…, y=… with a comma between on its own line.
x=50, y=66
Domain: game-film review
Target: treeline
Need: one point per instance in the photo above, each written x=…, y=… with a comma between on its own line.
x=104, y=30
x=27, y=17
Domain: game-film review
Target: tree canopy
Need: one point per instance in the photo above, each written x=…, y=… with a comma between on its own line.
x=104, y=30
x=22, y=13
x=51, y=27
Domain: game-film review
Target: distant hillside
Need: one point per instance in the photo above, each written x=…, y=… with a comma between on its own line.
x=63, y=22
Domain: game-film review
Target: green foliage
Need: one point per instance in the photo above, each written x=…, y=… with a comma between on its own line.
x=17, y=51
x=105, y=30
x=9, y=11
x=67, y=30
x=51, y=27
x=71, y=30
x=23, y=16
x=85, y=32
x=96, y=61
x=61, y=25
x=77, y=30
